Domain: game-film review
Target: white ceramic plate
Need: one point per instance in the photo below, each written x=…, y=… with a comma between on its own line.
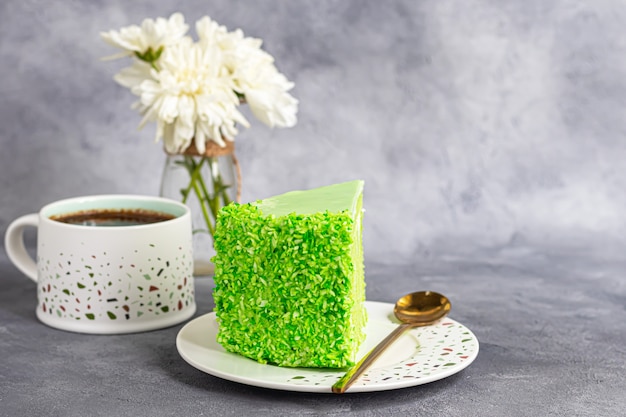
x=419, y=356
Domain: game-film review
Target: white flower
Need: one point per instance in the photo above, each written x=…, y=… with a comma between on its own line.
x=190, y=97
x=192, y=90
x=255, y=76
x=236, y=48
x=152, y=35
x=266, y=92
x=209, y=31
x=134, y=75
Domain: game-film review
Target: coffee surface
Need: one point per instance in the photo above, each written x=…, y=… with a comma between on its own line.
x=113, y=217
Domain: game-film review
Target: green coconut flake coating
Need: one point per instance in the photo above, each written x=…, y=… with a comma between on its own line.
x=289, y=289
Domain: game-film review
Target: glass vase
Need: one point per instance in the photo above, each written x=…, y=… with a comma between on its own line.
x=206, y=183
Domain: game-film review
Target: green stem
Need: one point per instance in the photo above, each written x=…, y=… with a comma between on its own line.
x=194, y=171
x=205, y=212
x=209, y=199
x=195, y=175
x=218, y=185
x=210, y=204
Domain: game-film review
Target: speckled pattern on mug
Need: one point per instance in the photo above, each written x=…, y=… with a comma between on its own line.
x=102, y=287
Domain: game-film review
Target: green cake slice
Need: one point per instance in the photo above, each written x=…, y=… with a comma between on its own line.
x=289, y=278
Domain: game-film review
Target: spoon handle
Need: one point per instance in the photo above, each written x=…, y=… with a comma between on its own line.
x=357, y=370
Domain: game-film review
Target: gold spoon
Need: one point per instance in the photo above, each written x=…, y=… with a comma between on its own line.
x=417, y=309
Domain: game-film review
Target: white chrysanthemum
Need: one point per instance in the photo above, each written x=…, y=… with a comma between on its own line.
x=190, y=97
x=134, y=75
x=192, y=90
x=209, y=31
x=255, y=76
x=236, y=48
x=266, y=92
x=153, y=34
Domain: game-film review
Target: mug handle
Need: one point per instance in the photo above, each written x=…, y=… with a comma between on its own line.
x=14, y=244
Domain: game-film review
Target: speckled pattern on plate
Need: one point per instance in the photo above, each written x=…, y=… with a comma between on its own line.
x=420, y=356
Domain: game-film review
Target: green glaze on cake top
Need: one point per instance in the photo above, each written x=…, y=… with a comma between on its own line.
x=289, y=279
x=333, y=198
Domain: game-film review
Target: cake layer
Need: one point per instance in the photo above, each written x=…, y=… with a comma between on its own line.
x=289, y=279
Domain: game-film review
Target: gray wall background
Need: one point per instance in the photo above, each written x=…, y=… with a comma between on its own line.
x=482, y=128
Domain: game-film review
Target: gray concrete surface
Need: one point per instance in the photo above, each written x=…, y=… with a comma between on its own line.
x=552, y=328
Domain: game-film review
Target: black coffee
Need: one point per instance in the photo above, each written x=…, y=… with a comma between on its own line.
x=113, y=217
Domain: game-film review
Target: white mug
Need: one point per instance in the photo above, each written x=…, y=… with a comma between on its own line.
x=109, y=279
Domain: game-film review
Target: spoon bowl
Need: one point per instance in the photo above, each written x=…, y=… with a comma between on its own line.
x=422, y=307
x=416, y=309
